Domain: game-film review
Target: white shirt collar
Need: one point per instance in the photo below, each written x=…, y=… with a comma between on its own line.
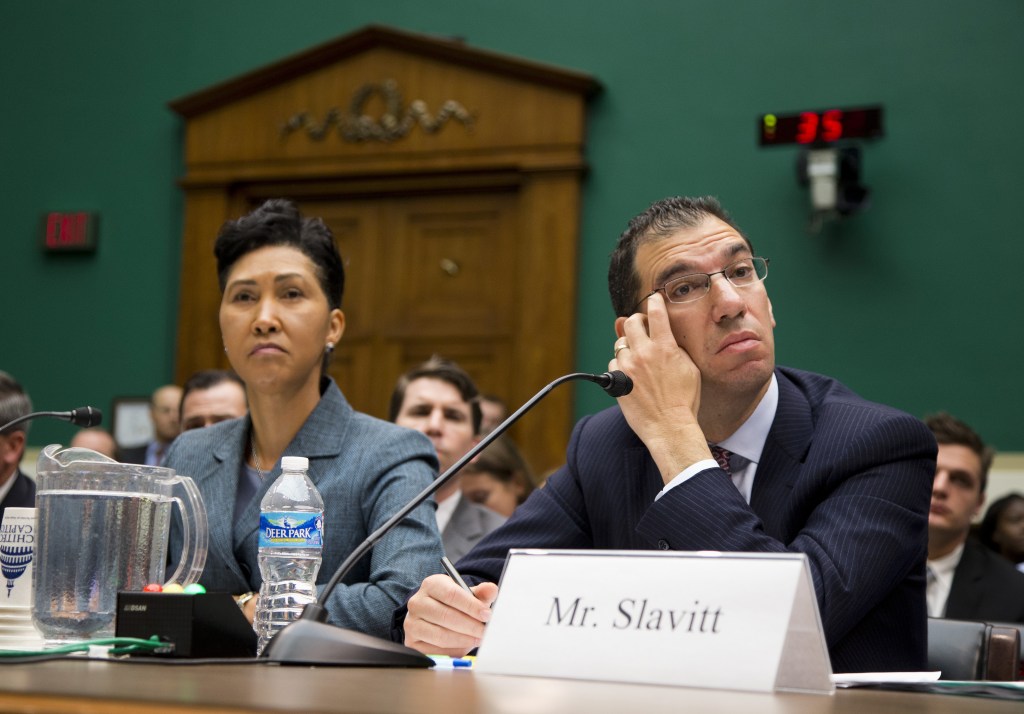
x=445, y=509
x=944, y=567
x=942, y=571
x=748, y=440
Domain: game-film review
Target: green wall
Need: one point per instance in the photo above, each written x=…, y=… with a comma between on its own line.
x=915, y=302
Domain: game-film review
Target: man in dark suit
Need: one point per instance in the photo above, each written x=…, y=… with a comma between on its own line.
x=966, y=580
x=164, y=406
x=440, y=399
x=717, y=449
x=16, y=489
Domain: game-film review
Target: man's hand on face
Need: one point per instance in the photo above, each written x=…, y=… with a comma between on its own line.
x=663, y=406
x=445, y=619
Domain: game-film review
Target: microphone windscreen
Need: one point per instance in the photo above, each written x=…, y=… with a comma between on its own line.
x=619, y=384
x=86, y=417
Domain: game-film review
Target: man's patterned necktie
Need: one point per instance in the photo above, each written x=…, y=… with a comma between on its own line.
x=722, y=456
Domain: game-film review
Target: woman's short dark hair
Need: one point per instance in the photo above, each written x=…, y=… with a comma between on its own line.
x=660, y=220
x=278, y=223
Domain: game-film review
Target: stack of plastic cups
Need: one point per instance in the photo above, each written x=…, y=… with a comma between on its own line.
x=17, y=550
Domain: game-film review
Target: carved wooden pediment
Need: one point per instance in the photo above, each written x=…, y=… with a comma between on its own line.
x=378, y=96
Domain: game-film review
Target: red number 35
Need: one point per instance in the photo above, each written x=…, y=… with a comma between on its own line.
x=830, y=123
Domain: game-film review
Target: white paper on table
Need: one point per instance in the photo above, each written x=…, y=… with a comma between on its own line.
x=846, y=680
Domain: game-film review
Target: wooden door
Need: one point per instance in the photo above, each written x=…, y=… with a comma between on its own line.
x=424, y=275
x=457, y=214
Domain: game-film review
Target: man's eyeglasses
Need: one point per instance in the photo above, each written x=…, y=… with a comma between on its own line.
x=743, y=273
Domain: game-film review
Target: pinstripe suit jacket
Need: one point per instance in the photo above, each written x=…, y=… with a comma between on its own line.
x=844, y=480
x=365, y=469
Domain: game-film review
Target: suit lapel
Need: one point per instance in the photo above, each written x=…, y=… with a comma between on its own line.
x=220, y=484
x=321, y=437
x=22, y=494
x=782, y=459
x=461, y=528
x=965, y=591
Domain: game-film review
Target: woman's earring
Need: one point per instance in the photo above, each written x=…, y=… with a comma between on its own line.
x=330, y=347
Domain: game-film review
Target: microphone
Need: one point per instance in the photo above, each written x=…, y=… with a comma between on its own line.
x=310, y=640
x=617, y=383
x=83, y=416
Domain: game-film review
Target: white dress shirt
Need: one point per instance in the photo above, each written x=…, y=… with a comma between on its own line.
x=746, y=442
x=446, y=508
x=940, y=580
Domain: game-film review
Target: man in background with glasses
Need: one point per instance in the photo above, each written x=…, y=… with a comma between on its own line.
x=16, y=489
x=717, y=448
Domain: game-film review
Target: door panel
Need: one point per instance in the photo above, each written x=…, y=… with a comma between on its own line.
x=424, y=276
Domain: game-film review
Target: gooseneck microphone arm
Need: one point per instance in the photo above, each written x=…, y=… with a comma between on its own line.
x=305, y=642
x=83, y=416
x=606, y=380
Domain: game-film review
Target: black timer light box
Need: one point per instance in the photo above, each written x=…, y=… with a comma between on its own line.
x=819, y=127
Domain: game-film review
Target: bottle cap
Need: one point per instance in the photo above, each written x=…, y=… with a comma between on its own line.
x=294, y=463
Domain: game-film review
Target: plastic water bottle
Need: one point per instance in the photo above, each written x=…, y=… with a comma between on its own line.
x=291, y=540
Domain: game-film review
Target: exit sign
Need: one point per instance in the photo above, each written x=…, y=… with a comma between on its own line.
x=70, y=232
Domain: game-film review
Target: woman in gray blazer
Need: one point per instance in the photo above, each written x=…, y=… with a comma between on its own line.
x=282, y=280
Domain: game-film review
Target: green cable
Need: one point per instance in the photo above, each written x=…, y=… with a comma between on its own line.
x=118, y=646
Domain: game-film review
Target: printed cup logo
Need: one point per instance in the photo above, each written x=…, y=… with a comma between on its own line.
x=291, y=529
x=13, y=561
x=17, y=548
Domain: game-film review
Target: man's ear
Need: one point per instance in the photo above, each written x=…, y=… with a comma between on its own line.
x=771, y=313
x=619, y=326
x=12, y=446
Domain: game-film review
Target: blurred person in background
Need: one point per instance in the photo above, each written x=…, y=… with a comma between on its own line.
x=1002, y=528
x=98, y=439
x=498, y=478
x=16, y=489
x=439, y=398
x=493, y=410
x=965, y=580
x=163, y=411
x=211, y=396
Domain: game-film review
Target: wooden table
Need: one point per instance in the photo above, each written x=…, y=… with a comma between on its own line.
x=86, y=687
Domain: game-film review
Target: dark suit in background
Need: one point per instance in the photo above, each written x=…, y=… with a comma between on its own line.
x=21, y=495
x=843, y=480
x=469, y=523
x=134, y=455
x=985, y=586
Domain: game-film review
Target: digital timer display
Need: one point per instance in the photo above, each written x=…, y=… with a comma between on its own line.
x=819, y=127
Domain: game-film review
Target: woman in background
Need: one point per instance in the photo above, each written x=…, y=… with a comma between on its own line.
x=281, y=281
x=498, y=478
x=1002, y=528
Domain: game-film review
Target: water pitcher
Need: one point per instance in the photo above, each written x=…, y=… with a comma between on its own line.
x=102, y=528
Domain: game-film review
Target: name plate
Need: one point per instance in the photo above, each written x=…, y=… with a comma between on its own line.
x=744, y=621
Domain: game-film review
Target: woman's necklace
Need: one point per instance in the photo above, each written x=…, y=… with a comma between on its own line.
x=256, y=456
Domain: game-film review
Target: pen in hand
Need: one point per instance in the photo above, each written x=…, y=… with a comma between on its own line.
x=454, y=574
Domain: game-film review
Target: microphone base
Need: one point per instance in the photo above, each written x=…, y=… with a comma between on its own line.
x=308, y=642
